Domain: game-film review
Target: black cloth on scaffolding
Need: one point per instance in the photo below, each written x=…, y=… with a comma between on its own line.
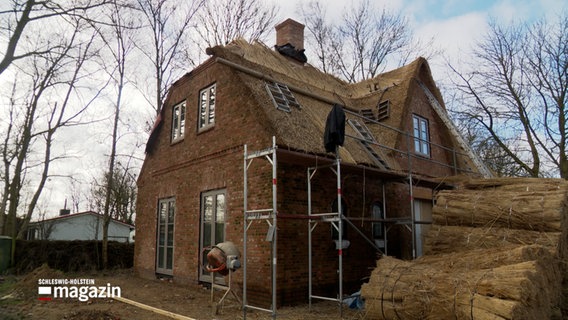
x=334, y=134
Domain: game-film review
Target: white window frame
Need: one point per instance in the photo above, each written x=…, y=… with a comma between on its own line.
x=178, y=121
x=217, y=222
x=206, y=108
x=421, y=134
x=165, y=262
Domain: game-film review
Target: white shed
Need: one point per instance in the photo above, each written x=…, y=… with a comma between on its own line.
x=86, y=225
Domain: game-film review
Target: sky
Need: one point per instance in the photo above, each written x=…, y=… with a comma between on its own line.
x=454, y=25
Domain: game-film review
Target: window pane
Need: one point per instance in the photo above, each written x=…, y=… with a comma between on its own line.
x=206, y=234
x=219, y=232
x=202, y=108
x=163, y=206
x=212, y=98
x=162, y=235
x=220, y=208
x=170, y=235
x=170, y=258
x=208, y=208
x=161, y=257
x=175, y=123
x=171, y=211
x=182, y=121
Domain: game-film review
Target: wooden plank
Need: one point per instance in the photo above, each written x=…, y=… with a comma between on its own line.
x=153, y=309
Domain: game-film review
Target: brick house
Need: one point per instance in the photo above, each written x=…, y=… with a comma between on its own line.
x=398, y=145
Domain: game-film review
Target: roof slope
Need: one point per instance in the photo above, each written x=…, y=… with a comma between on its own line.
x=316, y=92
x=302, y=129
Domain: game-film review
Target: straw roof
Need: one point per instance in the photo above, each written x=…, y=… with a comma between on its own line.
x=302, y=129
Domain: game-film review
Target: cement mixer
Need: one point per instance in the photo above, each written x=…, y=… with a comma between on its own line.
x=223, y=258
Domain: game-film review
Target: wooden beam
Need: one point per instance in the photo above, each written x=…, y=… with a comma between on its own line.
x=153, y=309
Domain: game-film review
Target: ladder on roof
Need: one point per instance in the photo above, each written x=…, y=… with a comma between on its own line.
x=483, y=169
x=366, y=140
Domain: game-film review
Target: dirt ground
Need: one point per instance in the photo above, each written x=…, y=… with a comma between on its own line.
x=19, y=299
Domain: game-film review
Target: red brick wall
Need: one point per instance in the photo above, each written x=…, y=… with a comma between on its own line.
x=214, y=160
x=439, y=136
x=200, y=162
x=358, y=260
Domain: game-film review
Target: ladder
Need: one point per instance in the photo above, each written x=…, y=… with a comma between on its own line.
x=366, y=140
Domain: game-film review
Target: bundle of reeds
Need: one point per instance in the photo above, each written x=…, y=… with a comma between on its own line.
x=506, y=283
x=447, y=239
x=486, y=213
x=497, y=249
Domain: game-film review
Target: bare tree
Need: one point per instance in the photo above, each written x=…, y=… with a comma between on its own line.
x=516, y=92
x=123, y=193
x=169, y=23
x=50, y=103
x=221, y=21
x=360, y=44
x=15, y=21
x=118, y=43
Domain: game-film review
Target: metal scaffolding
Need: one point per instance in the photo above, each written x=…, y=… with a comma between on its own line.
x=269, y=215
x=336, y=220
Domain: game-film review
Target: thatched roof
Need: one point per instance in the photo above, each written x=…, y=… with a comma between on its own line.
x=302, y=129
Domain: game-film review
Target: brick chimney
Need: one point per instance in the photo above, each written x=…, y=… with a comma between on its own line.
x=292, y=32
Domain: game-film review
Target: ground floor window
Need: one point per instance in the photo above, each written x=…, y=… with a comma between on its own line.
x=213, y=210
x=165, y=241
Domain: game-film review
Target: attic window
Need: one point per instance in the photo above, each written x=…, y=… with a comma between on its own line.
x=178, y=121
x=207, y=98
x=367, y=115
x=383, y=110
x=281, y=96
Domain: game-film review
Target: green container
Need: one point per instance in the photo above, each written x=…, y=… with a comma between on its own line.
x=5, y=253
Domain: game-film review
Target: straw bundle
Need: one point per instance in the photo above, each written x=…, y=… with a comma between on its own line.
x=446, y=239
x=522, y=283
x=487, y=213
x=541, y=210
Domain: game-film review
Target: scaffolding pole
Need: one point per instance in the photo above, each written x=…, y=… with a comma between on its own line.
x=336, y=220
x=269, y=215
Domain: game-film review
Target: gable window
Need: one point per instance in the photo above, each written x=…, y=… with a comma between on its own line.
x=178, y=121
x=421, y=135
x=207, y=99
x=165, y=252
x=281, y=96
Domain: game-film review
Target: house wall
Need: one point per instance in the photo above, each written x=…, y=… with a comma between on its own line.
x=440, y=161
x=201, y=162
x=213, y=159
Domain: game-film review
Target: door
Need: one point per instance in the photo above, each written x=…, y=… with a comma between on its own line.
x=212, y=226
x=423, y=221
x=165, y=243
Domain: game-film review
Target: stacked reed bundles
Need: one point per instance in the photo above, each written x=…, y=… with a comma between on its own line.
x=447, y=239
x=538, y=210
x=514, y=184
x=486, y=213
x=520, y=283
